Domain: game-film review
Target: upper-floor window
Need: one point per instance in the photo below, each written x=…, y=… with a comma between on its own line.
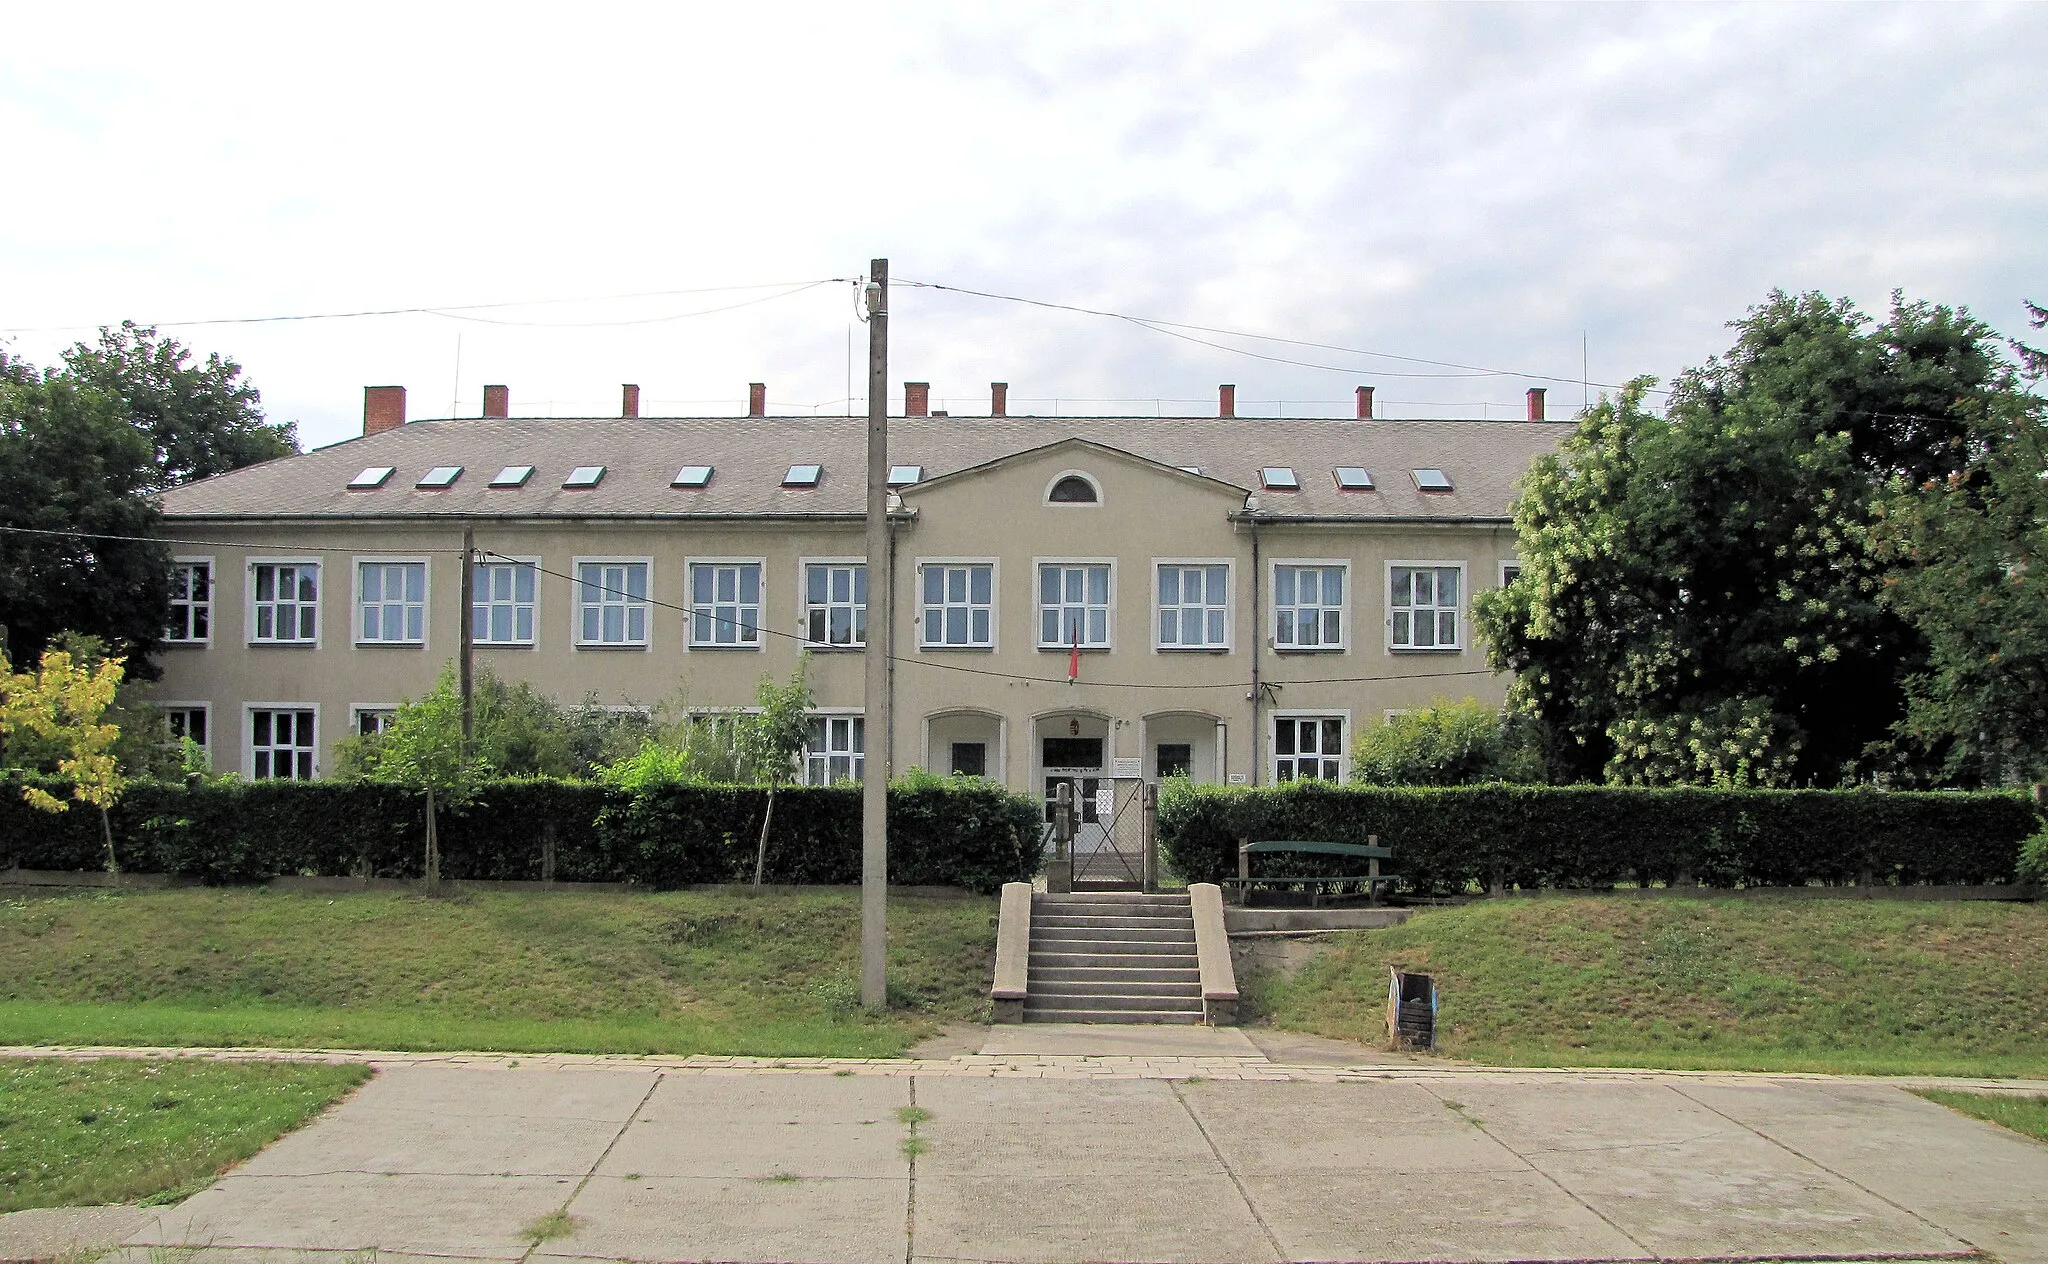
x=725, y=604
x=959, y=605
x=1073, y=605
x=391, y=603
x=285, y=602
x=611, y=602
x=1073, y=489
x=836, y=604
x=1422, y=609
x=836, y=751
x=502, y=600
x=1308, y=606
x=191, y=601
x=1509, y=573
x=1194, y=602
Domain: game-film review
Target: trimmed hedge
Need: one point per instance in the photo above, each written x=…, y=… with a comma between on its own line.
x=969, y=835
x=1448, y=839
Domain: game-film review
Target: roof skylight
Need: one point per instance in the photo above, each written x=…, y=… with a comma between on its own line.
x=905, y=475
x=513, y=476
x=584, y=476
x=1432, y=480
x=440, y=476
x=692, y=476
x=803, y=476
x=1279, y=478
x=371, y=477
x=1354, y=478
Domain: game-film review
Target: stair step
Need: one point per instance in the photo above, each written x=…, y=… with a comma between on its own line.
x=1105, y=919
x=1106, y=897
x=1113, y=934
x=1118, y=988
x=1093, y=973
x=1191, y=1017
x=1115, y=947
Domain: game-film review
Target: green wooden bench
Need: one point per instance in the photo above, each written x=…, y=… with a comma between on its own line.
x=1371, y=852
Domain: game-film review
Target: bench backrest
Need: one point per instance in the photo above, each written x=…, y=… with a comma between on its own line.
x=1320, y=849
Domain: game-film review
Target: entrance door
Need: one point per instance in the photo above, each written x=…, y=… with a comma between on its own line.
x=1077, y=761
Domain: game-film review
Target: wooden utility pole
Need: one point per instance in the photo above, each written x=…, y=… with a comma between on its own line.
x=875, y=708
x=468, y=626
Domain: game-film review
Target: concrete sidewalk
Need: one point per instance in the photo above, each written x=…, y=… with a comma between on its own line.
x=972, y=1160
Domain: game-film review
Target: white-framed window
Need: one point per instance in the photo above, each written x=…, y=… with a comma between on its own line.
x=504, y=602
x=391, y=601
x=835, y=603
x=284, y=742
x=1509, y=573
x=191, y=601
x=837, y=750
x=958, y=604
x=725, y=603
x=1309, y=603
x=368, y=719
x=1074, y=603
x=612, y=607
x=1311, y=746
x=284, y=601
x=1193, y=605
x=1424, y=602
x=189, y=719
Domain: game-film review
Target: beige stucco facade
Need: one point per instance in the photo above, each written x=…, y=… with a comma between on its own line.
x=1005, y=697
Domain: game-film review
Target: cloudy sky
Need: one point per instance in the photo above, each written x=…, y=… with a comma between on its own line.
x=1480, y=186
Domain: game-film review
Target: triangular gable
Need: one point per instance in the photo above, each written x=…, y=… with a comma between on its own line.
x=1084, y=445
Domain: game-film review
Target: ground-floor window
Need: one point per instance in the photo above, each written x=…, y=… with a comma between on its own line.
x=970, y=759
x=282, y=744
x=186, y=721
x=371, y=721
x=836, y=751
x=1308, y=748
x=1176, y=759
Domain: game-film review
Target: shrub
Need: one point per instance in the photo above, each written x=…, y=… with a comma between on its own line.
x=2034, y=859
x=1444, y=744
x=1448, y=839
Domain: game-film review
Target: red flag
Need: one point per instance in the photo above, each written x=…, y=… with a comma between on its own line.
x=1074, y=657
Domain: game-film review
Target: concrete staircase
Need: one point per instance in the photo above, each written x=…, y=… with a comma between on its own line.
x=1112, y=957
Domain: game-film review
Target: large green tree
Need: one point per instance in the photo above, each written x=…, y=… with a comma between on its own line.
x=201, y=418
x=1700, y=593
x=70, y=462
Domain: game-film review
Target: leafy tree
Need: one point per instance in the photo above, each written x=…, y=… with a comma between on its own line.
x=1969, y=556
x=71, y=463
x=521, y=732
x=776, y=739
x=422, y=749
x=1443, y=744
x=60, y=708
x=200, y=419
x=1699, y=598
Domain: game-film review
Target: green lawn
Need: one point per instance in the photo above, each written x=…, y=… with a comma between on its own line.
x=685, y=972
x=76, y=1134
x=2027, y=1115
x=1880, y=987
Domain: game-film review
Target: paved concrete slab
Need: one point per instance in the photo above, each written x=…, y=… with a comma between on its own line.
x=1116, y=1158
x=1290, y=1048
x=854, y=1221
x=1132, y=1040
x=44, y=1233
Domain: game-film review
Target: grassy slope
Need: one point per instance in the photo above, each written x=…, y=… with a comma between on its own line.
x=82, y=1133
x=2027, y=1115
x=1880, y=987
x=670, y=973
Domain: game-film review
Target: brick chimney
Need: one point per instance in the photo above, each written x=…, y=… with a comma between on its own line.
x=757, y=399
x=1365, y=403
x=917, y=399
x=998, y=399
x=1535, y=403
x=1226, y=401
x=629, y=400
x=383, y=408
x=497, y=401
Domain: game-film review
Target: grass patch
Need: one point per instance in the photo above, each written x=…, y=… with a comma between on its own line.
x=113, y=1130
x=1858, y=987
x=556, y=1224
x=682, y=972
x=2026, y=1115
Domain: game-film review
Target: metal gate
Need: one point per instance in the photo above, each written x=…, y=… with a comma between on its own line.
x=1119, y=855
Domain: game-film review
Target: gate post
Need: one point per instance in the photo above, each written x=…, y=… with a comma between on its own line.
x=1148, y=816
x=1059, y=871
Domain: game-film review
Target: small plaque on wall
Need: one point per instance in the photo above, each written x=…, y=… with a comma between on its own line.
x=1237, y=779
x=1127, y=769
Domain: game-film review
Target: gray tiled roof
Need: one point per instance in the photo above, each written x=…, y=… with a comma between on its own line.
x=642, y=454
